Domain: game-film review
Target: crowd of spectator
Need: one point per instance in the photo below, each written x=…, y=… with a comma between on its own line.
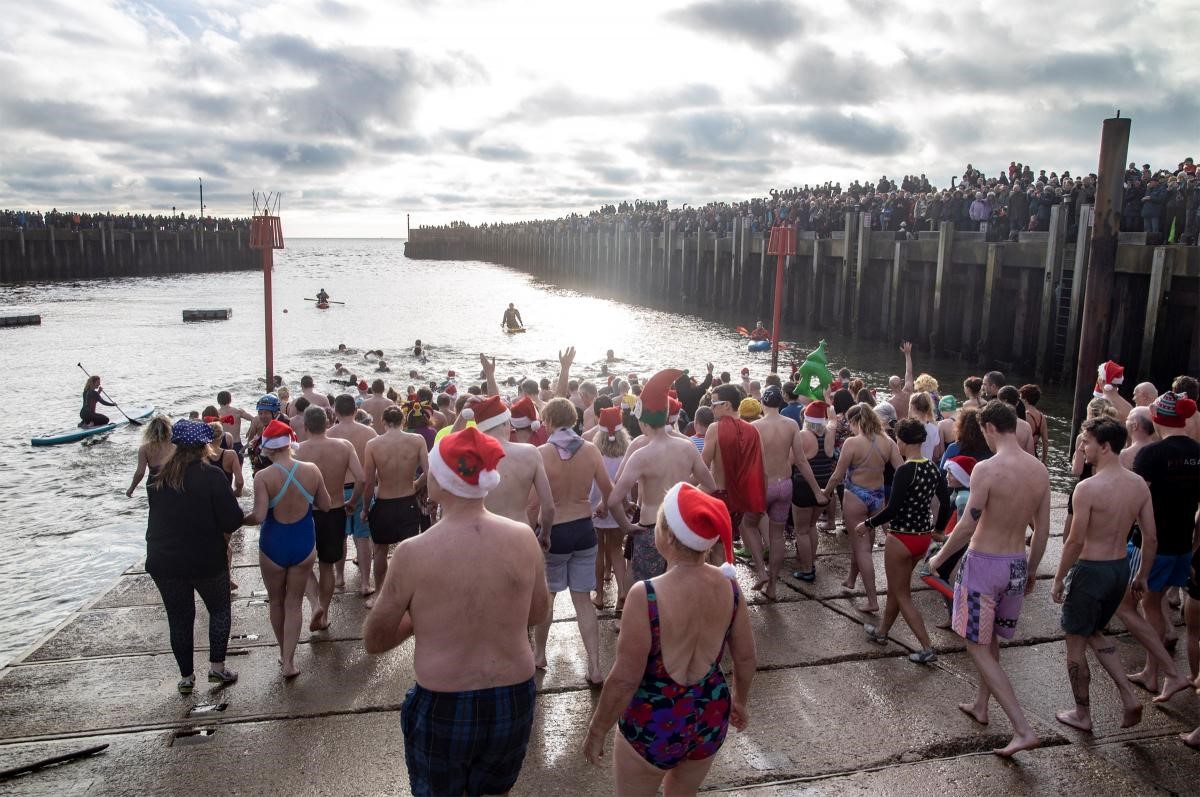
x=1163, y=203
x=74, y=221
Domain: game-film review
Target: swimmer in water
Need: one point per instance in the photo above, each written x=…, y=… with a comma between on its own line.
x=418, y=349
x=382, y=367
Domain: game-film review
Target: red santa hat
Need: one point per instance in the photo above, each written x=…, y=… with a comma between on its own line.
x=277, y=435
x=363, y=386
x=816, y=413
x=745, y=371
x=1109, y=373
x=489, y=413
x=610, y=421
x=652, y=407
x=524, y=415
x=674, y=407
x=699, y=521
x=464, y=463
x=960, y=468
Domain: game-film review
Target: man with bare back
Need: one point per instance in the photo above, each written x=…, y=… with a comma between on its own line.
x=336, y=460
x=468, y=718
x=375, y=404
x=1094, y=571
x=308, y=390
x=902, y=389
x=390, y=470
x=522, y=472
x=782, y=447
x=1009, y=492
x=357, y=529
x=658, y=465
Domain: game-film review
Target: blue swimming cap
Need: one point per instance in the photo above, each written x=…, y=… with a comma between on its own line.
x=269, y=402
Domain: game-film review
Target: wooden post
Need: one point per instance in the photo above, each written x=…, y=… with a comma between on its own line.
x=945, y=256
x=991, y=288
x=1052, y=276
x=53, y=252
x=740, y=270
x=843, y=275
x=1102, y=262
x=1156, y=302
x=892, y=315
x=860, y=270
x=1078, y=278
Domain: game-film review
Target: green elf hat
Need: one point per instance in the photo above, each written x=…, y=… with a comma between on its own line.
x=814, y=375
x=651, y=408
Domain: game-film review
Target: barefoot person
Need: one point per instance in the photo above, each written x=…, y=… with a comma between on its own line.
x=572, y=466
x=521, y=470
x=153, y=453
x=666, y=686
x=375, y=404
x=783, y=453
x=356, y=528
x=733, y=451
x=393, y=509
x=231, y=421
x=285, y=494
x=612, y=441
x=1009, y=492
x=192, y=515
x=909, y=512
x=1094, y=571
x=663, y=461
x=468, y=718
x=860, y=466
x=336, y=460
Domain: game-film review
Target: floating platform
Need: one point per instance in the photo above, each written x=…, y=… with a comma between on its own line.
x=20, y=320
x=218, y=314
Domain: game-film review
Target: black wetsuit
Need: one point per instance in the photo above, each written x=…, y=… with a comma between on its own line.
x=89, y=416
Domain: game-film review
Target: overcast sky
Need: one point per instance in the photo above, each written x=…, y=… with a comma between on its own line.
x=482, y=110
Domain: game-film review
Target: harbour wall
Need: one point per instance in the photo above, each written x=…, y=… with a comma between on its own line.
x=1008, y=305
x=60, y=254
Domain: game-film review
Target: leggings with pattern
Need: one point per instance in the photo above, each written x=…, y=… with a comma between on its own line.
x=180, y=604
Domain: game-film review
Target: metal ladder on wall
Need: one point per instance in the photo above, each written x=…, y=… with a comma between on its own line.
x=1062, y=312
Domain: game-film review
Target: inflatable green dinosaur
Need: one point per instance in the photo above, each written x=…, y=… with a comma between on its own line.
x=814, y=375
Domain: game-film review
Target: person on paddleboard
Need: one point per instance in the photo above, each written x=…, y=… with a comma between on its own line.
x=92, y=396
x=512, y=318
x=322, y=296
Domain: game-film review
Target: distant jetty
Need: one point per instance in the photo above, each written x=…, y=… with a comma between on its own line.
x=41, y=255
x=1013, y=305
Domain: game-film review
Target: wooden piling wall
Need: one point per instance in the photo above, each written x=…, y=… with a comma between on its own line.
x=1010, y=305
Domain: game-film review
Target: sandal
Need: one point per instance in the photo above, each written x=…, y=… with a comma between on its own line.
x=186, y=685
x=809, y=576
x=923, y=657
x=874, y=635
x=225, y=676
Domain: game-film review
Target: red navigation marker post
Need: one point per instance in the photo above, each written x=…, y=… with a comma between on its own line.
x=782, y=244
x=266, y=233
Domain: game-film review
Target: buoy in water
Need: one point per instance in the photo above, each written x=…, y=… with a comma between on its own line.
x=285, y=309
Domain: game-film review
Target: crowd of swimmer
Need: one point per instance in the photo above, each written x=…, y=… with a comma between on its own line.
x=1162, y=201
x=639, y=493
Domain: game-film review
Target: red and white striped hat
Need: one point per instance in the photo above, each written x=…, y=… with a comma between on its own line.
x=698, y=521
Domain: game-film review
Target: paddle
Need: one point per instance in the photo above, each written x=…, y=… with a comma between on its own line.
x=132, y=422
x=742, y=331
x=327, y=301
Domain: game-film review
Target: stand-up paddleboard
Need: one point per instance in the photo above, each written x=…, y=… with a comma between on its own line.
x=76, y=433
x=514, y=330
x=322, y=305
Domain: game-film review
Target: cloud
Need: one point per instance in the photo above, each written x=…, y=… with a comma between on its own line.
x=852, y=133
x=766, y=23
x=502, y=152
x=563, y=102
x=819, y=75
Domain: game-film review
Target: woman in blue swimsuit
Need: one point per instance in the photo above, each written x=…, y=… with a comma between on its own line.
x=860, y=466
x=284, y=496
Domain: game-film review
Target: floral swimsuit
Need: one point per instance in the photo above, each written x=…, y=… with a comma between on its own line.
x=667, y=723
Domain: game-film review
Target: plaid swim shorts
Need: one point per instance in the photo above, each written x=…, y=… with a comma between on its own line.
x=470, y=742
